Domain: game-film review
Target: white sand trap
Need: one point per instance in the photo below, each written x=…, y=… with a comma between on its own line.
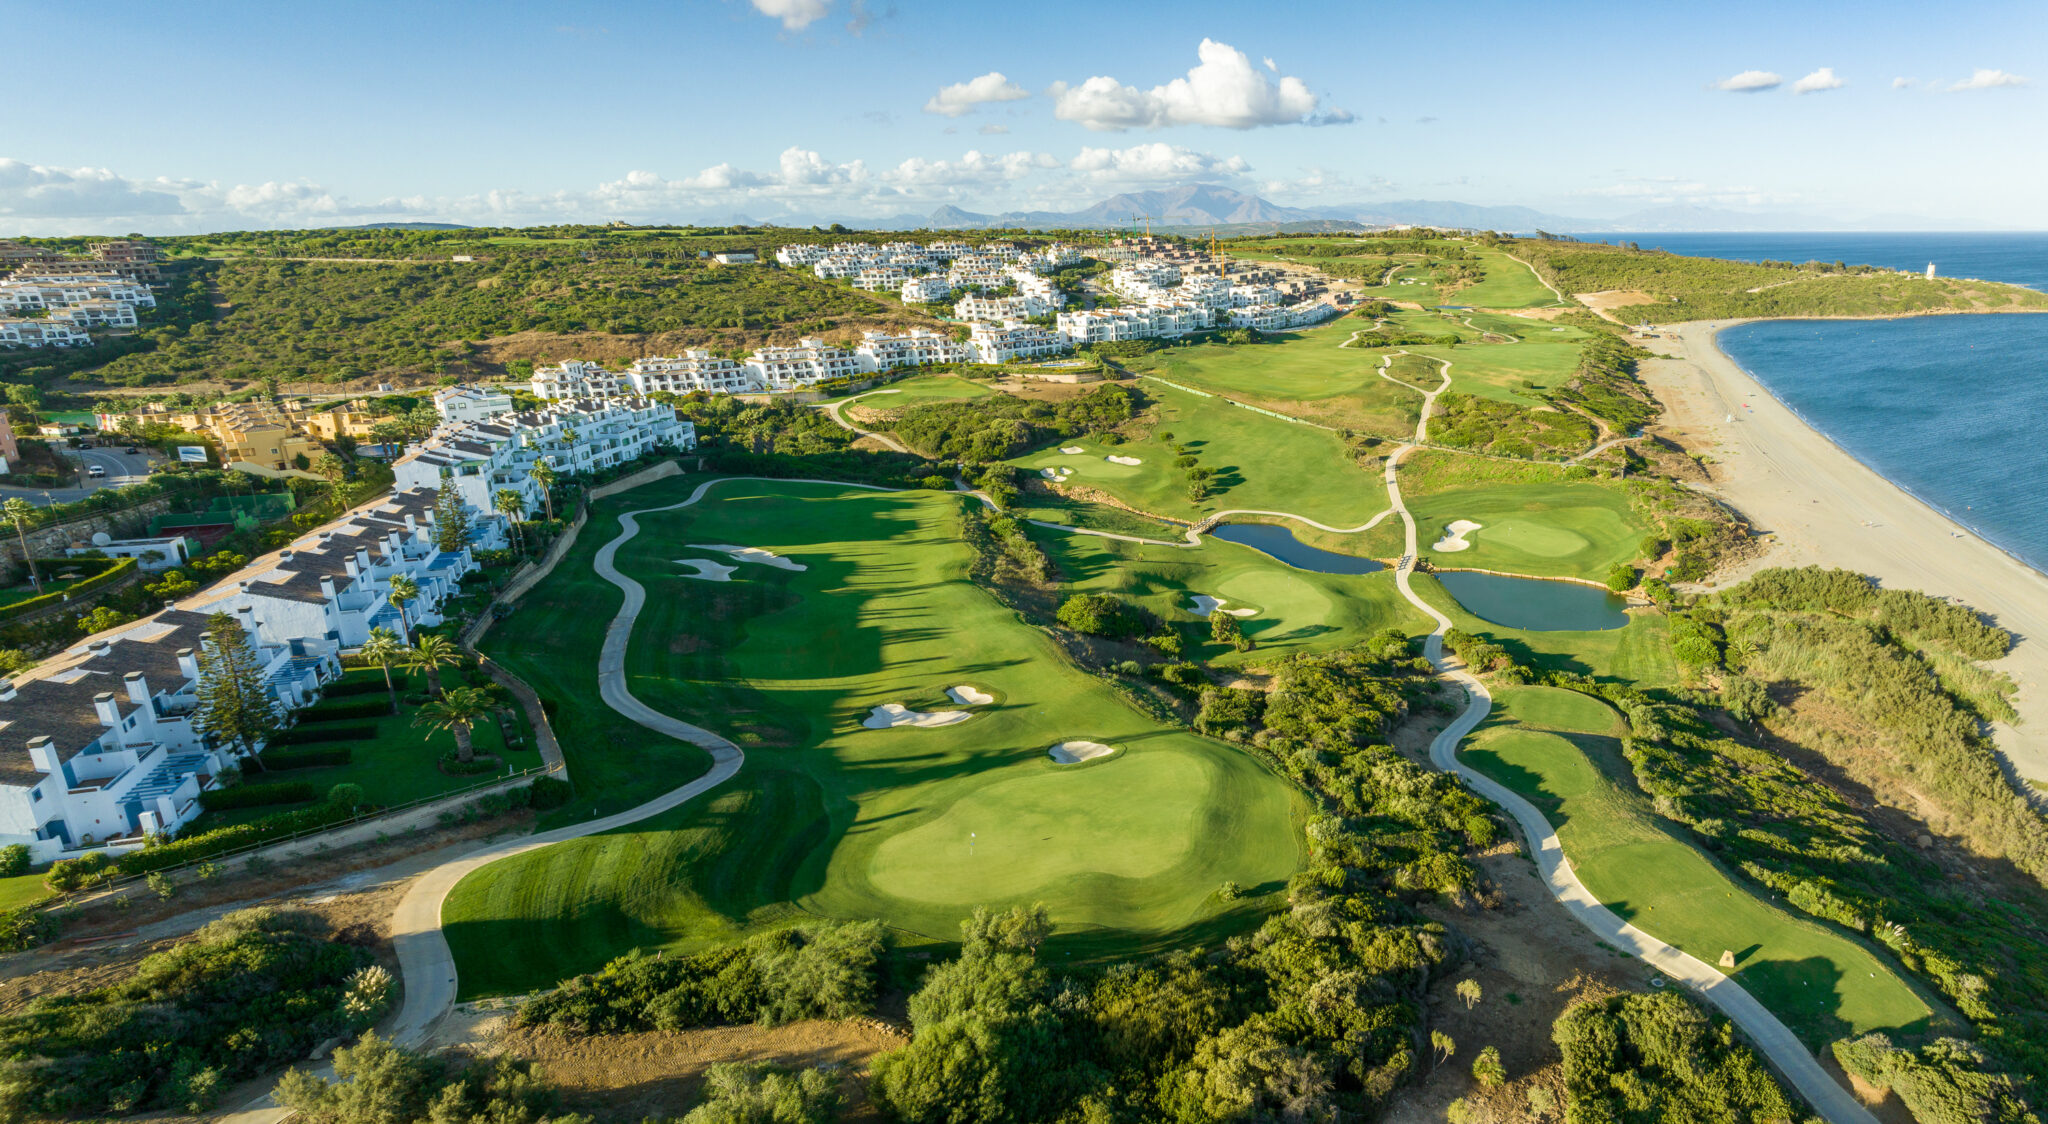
x=752, y=554
x=1071, y=450
x=1454, y=535
x=1205, y=604
x=706, y=571
x=1114, y=459
x=1073, y=753
x=890, y=715
x=968, y=696
x=1056, y=474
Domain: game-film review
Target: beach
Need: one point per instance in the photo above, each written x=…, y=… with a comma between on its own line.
x=1822, y=506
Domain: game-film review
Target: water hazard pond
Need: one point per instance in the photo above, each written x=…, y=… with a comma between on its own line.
x=1281, y=543
x=1534, y=604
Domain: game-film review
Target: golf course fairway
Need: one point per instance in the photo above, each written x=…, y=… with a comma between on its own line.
x=914, y=826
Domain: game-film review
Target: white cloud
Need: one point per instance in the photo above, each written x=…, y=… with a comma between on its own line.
x=993, y=130
x=33, y=191
x=1224, y=89
x=1665, y=191
x=1750, y=82
x=974, y=168
x=794, y=14
x=1983, y=79
x=962, y=97
x=1903, y=83
x=1154, y=162
x=1268, y=60
x=1822, y=79
x=39, y=199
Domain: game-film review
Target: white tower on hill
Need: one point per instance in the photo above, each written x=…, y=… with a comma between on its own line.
x=1930, y=271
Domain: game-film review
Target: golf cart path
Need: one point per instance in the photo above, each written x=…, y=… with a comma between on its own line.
x=1770, y=1036
x=832, y=411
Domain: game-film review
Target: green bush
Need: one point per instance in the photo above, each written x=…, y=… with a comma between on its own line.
x=1947, y=1081
x=343, y=711
x=547, y=792
x=256, y=795
x=320, y=732
x=13, y=860
x=765, y=1093
x=1622, y=577
x=1099, y=614
x=1660, y=1057
x=69, y=874
x=278, y=760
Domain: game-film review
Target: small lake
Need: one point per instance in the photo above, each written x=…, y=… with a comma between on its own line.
x=1536, y=605
x=1280, y=542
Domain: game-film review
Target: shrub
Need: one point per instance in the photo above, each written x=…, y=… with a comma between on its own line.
x=276, y=760
x=548, y=792
x=13, y=860
x=1948, y=1081
x=25, y=928
x=342, y=711
x=256, y=795
x=765, y=1093
x=1622, y=577
x=346, y=795
x=69, y=874
x=321, y=732
x=347, y=688
x=1099, y=614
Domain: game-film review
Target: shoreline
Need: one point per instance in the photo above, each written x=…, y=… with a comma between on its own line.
x=1822, y=506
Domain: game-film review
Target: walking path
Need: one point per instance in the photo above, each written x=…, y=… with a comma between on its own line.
x=832, y=411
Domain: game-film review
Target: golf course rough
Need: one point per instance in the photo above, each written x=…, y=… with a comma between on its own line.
x=829, y=818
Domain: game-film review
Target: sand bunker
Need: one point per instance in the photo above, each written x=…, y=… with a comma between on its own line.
x=1056, y=474
x=752, y=554
x=1114, y=459
x=1073, y=753
x=1205, y=604
x=890, y=715
x=706, y=571
x=968, y=696
x=1454, y=535
x=1071, y=450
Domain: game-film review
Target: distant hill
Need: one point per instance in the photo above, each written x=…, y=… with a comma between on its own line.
x=401, y=226
x=1211, y=208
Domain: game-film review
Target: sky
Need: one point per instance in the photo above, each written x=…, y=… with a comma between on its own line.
x=224, y=115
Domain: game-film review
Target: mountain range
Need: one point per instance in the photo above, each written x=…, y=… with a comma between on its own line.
x=1207, y=205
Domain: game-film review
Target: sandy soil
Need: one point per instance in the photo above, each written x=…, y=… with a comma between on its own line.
x=891, y=715
x=1607, y=300
x=969, y=696
x=1454, y=535
x=753, y=554
x=1073, y=753
x=704, y=570
x=1822, y=506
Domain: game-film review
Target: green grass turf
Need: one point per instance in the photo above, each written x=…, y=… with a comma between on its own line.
x=918, y=391
x=1411, y=282
x=1307, y=374
x=1298, y=611
x=1544, y=357
x=914, y=827
x=1565, y=529
x=1260, y=462
x=1638, y=653
x=1508, y=284
x=1563, y=754
x=22, y=889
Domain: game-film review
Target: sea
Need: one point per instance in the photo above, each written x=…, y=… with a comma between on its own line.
x=1953, y=409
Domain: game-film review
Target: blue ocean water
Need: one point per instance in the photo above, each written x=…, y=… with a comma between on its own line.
x=2018, y=258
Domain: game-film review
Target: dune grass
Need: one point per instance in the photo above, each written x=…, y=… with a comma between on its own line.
x=1562, y=751
x=914, y=827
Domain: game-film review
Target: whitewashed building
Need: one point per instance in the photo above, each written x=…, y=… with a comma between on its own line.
x=693, y=370
x=42, y=333
x=810, y=362
x=464, y=404
x=926, y=290
x=1016, y=339
x=880, y=351
x=575, y=378
x=574, y=436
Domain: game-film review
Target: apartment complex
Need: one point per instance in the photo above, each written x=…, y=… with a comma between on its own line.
x=72, y=297
x=574, y=436
x=260, y=433
x=464, y=404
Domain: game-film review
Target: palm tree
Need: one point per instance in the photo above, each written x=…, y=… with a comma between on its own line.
x=512, y=506
x=543, y=474
x=428, y=655
x=403, y=591
x=20, y=510
x=384, y=648
x=456, y=712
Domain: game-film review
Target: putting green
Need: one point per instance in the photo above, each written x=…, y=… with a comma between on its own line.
x=831, y=819
x=1576, y=530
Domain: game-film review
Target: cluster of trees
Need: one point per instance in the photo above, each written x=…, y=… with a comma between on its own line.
x=825, y=971
x=1003, y=553
x=1000, y=426
x=1947, y=1081
x=1660, y=1057
x=1910, y=613
x=1604, y=384
x=376, y=1082
x=781, y=438
x=251, y=992
x=1506, y=429
x=1200, y=479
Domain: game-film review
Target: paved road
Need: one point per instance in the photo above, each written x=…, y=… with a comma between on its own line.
x=122, y=470
x=832, y=411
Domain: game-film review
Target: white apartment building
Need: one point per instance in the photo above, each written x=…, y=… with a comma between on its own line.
x=881, y=278
x=98, y=745
x=25, y=292
x=812, y=361
x=880, y=351
x=1109, y=325
x=1019, y=307
x=574, y=436
x=693, y=370
x=575, y=378
x=464, y=404
x=808, y=253
x=41, y=333
x=97, y=314
x=1016, y=339
x=1277, y=317
x=926, y=290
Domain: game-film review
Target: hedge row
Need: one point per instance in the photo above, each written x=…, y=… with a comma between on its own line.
x=224, y=839
x=348, y=687
x=256, y=795
x=322, y=732
x=100, y=580
x=342, y=711
x=307, y=758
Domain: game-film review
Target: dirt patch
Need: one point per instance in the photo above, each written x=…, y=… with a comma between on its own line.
x=627, y=1078
x=1607, y=300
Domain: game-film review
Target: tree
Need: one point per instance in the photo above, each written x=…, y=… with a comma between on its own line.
x=543, y=474
x=457, y=712
x=451, y=518
x=384, y=648
x=1621, y=577
x=1469, y=991
x=102, y=619
x=512, y=506
x=331, y=468
x=20, y=511
x=1226, y=629
x=403, y=591
x=1488, y=1070
x=428, y=655
x=235, y=708
x=765, y=1093
x=1441, y=1046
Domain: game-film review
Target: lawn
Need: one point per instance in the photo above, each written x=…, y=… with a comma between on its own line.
x=924, y=389
x=913, y=826
x=22, y=889
x=1572, y=529
x=1562, y=751
x=1297, y=610
x=1639, y=653
x=1260, y=462
x=1308, y=374
x=1508, y=284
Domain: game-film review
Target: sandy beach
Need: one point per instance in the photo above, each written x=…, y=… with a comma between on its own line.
x=1825, y=507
